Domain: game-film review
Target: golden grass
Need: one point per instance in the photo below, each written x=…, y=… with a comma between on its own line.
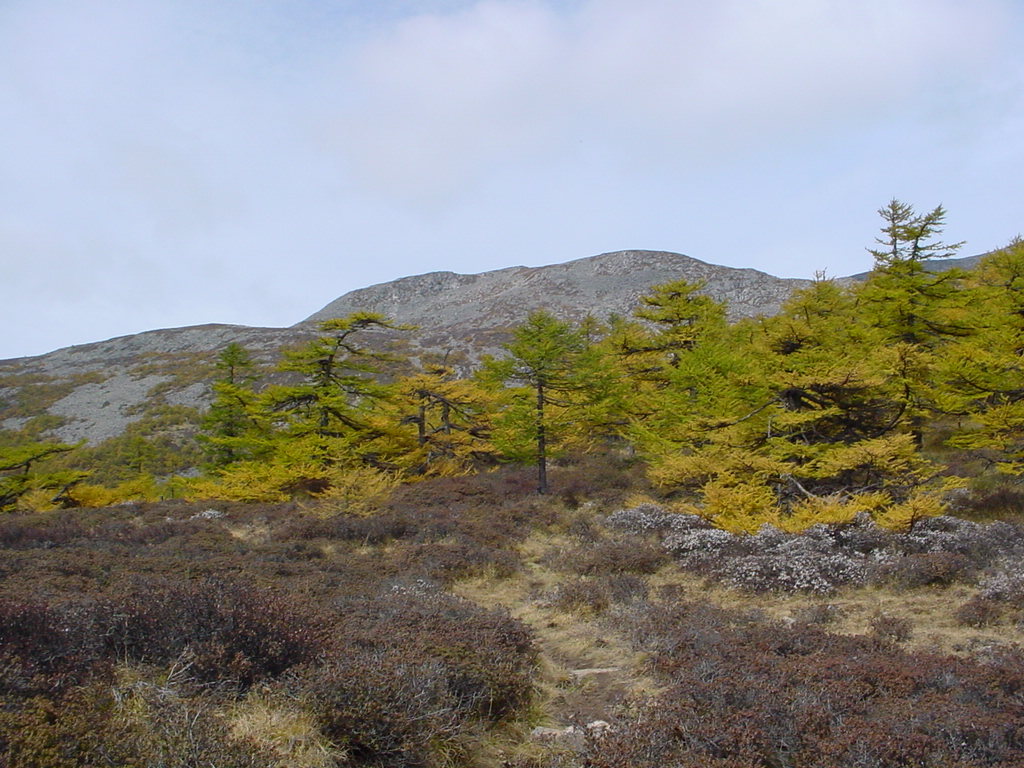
x=251, y=533
x=285, y=730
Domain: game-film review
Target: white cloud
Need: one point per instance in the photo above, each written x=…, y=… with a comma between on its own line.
x=441, y=99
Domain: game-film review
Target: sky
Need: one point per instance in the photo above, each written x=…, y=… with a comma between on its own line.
x=178, y=162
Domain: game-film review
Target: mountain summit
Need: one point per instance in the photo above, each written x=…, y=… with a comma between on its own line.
x=446, y=305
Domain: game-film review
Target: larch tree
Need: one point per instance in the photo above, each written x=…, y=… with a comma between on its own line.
x=20, y=475
x=231, y=429
x=673, y=319
x=555, y=375
x=982, y=375
x=446, y=422
x=320, y=425
x=916, y=308
x=788, y=420
x=338, y=379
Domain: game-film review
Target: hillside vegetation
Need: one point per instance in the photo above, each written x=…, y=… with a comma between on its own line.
x=661, y=540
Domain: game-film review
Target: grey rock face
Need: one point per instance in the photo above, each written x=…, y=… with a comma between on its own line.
x=447, y=303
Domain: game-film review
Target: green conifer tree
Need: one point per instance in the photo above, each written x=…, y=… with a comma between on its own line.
x=444, y=423
x=231, y=427
x=328, y=408
x=559, y=377
x=982, y=375
x=19, y=473
x=916, y=309
x=790, y=420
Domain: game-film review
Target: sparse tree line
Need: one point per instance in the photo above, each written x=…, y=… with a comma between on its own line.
x=855, y=398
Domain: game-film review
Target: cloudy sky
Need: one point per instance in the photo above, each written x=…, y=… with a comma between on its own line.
x=178, y=162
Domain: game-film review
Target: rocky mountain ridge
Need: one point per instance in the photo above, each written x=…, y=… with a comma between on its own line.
x=470, y=314
x=598, y=285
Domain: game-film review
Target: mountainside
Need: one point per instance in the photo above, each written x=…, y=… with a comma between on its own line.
x=451, y=308
x=94, y=391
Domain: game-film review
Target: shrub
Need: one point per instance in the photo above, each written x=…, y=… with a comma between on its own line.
x=739, y=691
x=924, y=570
x=489, y=656
x=992, y=503
x=795, y=569
x=414, y=674
x=449, y=561
x=937, y=551
x=1001, y=597
x=385, y=708
x=614, y=557
x=596, y=596
x=818, y=614
x=894, y=628
x=1006, y=584
x=47, y=649
x=579, y=596
x=20, y=534
x=979, y=612
x=649, y=518
x=225, y=632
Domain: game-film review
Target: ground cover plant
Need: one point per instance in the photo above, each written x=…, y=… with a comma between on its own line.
x=139, y=634
x=463, y=613
x=743, y=691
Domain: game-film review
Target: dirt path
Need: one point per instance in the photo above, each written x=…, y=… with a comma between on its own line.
x=587, y=669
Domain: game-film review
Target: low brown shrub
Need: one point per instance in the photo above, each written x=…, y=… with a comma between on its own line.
x=49, y=648
x=596, y=595
x=741, y=691
x=489, y=656
x=448, y=561
x=24, y=534
x=613, y=556
x=980, y=611
x=1000, y=502
x=415, y=674
x=894, y=628
x=925, y=569
x=226, y=633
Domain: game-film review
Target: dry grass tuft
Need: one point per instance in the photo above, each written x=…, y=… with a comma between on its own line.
x=284, y=730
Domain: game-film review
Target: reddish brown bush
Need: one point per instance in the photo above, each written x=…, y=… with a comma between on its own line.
x=616, y=556
x=48, y=648
x=597, y=595
x=894, y=628
x=449, y=561
x=225, y=632
x=489, y=656
x=980, y=611
x=24, y=534
x=742, y=692
x=413, y=672
x=925, y=569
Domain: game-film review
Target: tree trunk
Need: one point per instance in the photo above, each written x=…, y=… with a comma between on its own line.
x=542, y=447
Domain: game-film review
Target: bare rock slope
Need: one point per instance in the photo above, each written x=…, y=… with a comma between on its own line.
x=448, y=306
